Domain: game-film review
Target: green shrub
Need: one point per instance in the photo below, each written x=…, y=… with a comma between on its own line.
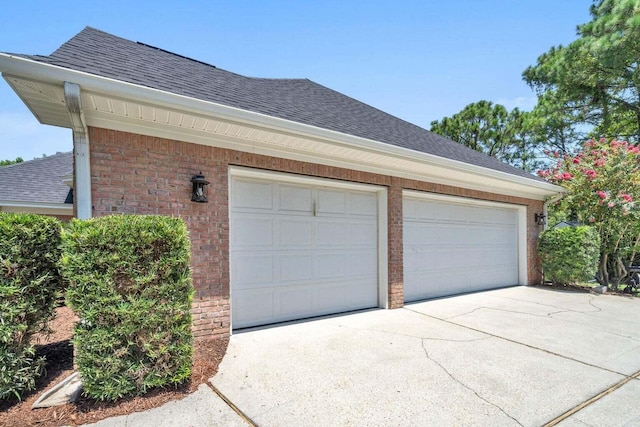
x=569, y=254
x=29, y=287
x=130, y=284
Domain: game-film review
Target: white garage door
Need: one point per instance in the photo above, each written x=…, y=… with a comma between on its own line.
x=300, y=251
x=452, y=248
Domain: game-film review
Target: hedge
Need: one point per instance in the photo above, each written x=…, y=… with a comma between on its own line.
x=130, y=284
x=569, y=254
x=29, y=287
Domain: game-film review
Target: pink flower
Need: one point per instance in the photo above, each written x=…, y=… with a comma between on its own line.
x=601, y=194
x=556, y=154
x=576, y=160
x=611, y=204
x=567, y=176
x=592, y=219
x=591, y=174
x=627, y=198
x=600, y=162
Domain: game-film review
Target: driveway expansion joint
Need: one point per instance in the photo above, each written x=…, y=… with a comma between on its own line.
x=518, y=342
x=231, y=405
x=592, y=400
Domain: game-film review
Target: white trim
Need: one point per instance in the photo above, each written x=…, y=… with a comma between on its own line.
x=245, y=172
x=383, y=249
x=454, y=179
x=457, y=199
x=36, y=207
x=381, y=194
x=68, y=179
x=521, y=211
x=53, y=74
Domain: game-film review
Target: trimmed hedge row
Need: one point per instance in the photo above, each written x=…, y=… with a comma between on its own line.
x=130, y=284
x=569, y=254
x=29, y=287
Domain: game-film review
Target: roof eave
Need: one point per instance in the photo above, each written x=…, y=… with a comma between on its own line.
x=11, y=65
x=45, y=208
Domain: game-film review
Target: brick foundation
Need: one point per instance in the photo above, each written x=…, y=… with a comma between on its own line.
x=140, y=174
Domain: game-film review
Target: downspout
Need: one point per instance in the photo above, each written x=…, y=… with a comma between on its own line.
x=545, y=207
x=82, y=172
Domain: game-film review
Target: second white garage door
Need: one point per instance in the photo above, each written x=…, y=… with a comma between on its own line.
x=453, y=247
x=299, y=251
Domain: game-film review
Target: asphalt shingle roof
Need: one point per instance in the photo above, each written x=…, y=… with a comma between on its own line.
x=298, y=100
x=38, y=180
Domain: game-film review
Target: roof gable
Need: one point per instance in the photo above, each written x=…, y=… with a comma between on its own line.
x=297, y=100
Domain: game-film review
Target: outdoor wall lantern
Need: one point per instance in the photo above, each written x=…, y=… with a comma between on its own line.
x=199, y=193
x=540, y=219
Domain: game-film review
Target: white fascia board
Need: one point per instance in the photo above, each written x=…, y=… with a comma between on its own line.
x=23, y=67
x=36, y=207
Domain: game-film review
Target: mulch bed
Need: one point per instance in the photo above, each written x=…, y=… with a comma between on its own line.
x=584, y=289
x=58, y=350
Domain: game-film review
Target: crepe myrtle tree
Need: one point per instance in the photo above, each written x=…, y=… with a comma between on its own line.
x=603, y=188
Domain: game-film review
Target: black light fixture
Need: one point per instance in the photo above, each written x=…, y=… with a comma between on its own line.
x=199, y=193
x=540, y=219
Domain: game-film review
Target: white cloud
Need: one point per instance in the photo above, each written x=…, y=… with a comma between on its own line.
x=22, y=136
x=525, y=103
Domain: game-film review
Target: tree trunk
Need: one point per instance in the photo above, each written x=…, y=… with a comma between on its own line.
x=603, y=274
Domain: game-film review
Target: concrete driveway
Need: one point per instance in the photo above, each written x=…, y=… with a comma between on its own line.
x=516, y=356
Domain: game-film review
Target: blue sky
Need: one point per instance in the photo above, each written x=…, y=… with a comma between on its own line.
x=418, y=60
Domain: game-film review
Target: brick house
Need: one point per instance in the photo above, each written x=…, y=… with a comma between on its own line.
x=41, y=186
x=318, y=203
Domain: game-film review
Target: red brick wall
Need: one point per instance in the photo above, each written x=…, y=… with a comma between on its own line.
x=395, y=245
x=146, y=175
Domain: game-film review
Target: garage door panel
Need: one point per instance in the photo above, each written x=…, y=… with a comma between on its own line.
x=294, y=199
x=452, y=247
x=253, y=231
x=252, y=195
x=258, y=305
x=415, y=210
x=292, y=302
x=314, y=252
x=329, y=297
x=332, y=232
x=251, y=270
x=365, y=205
x=415, y=234
x=295, y=232
x=331, y=266
x=295, y=268
x=443, y=212
x=332, y=202
x=462, y=214
x=362, y=264
x=362, y=233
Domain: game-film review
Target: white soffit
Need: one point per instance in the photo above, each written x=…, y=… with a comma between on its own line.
x=210, y=124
